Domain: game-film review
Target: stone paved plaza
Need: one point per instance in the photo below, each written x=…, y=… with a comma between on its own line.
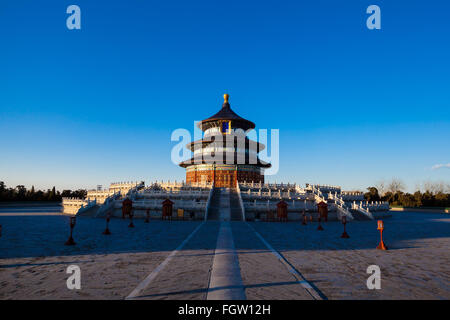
x=33, y=258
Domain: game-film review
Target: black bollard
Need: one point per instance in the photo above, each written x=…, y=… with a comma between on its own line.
x=70, y=241
x=320, y=226
x=344, y=234
x=107, y=232
x=304, y=219
x=131, y=225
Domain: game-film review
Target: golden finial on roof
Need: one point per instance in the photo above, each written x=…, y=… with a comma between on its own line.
x=225, y=97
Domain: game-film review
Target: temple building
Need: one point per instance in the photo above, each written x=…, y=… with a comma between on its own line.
x=225, y=156
x=225, y=181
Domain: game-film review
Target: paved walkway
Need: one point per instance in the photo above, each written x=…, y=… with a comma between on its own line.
x=226, y=282
x=33, y=258
x=263, y=273
x=187, y=275
x=221, y=265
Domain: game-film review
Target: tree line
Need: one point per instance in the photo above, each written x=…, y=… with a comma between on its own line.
x=20, y=193
x=433, y=194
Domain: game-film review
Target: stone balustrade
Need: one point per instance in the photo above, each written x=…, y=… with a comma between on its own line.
x=125, y=183
x=352, y=193
x=100, y=192
x=72, y=199
x=323, y=187
x=352, y=197
x=156, y=204
x=179, y=194
x=293, y=205
x=182, y=184
x=372, y=206
x=251, y=194
x=270, y=186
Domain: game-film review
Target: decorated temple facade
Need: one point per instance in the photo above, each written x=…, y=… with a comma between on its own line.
x=225, y=156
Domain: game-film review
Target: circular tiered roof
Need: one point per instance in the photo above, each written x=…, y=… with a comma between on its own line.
x=249, y=144
x=226, y=114
x=235, y=122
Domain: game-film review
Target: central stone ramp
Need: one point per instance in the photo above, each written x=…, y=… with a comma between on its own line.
x=213, y=210
x=225, y=205
x=235, y=207
x=226, y=281
x=219, y=208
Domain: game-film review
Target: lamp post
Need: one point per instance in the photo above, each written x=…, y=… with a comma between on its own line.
x=131, y=225
x=320, y=226
x=304, y=218
x=344, y=222
x=70, y=241
x=107, y=232
x=147, y=216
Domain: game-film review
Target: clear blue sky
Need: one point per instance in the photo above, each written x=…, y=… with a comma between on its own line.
x=85, y=107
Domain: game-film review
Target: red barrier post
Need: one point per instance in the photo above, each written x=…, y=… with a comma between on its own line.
x=380, y=227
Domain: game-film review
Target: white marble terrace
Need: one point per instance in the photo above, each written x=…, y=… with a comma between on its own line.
x=256, y=199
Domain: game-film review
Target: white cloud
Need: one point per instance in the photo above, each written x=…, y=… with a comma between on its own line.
x=440, y=166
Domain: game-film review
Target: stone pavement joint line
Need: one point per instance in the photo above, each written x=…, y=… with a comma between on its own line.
x=225, y=282
x=300, y=279
x=144, y=284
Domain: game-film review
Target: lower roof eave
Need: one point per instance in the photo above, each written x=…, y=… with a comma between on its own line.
x=189, y=163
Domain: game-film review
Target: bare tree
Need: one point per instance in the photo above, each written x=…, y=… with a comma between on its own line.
x=395, y=185
x=418, y=186
x=435, y=187
x=381, y=187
